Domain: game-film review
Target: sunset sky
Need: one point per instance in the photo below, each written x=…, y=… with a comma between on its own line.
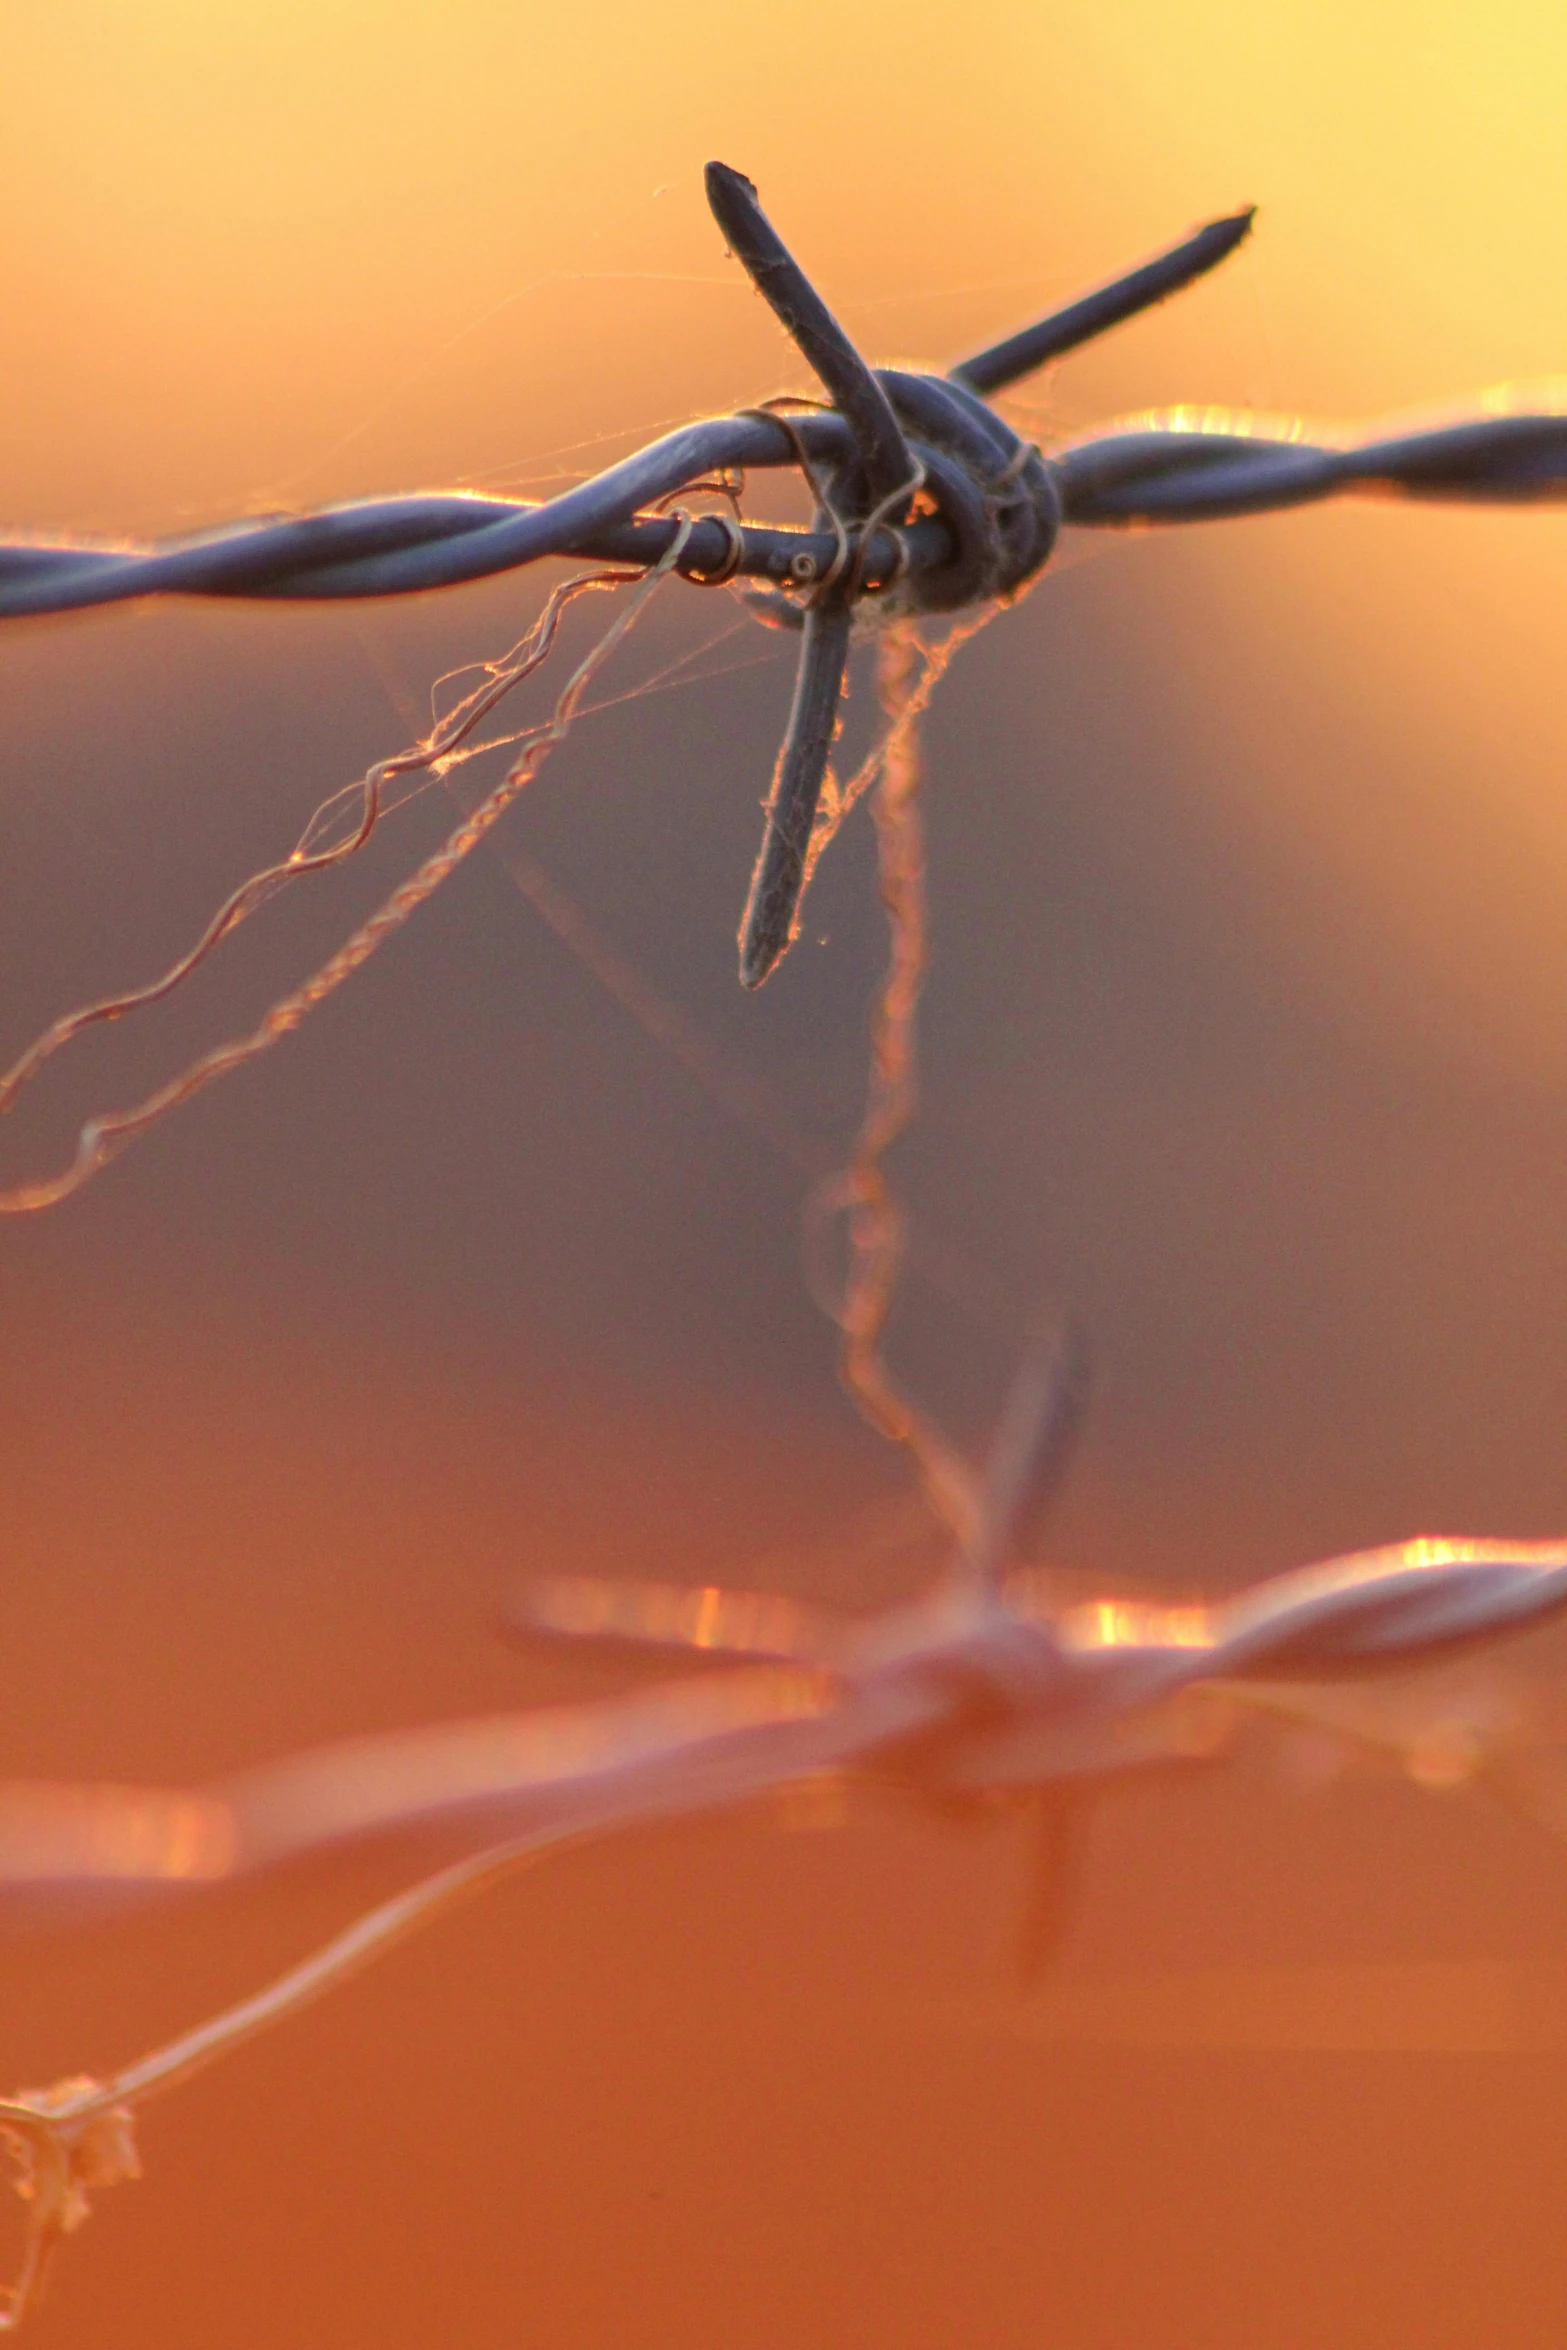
x=1246, y=1040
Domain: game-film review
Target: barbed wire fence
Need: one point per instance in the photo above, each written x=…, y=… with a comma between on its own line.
x=932, y=516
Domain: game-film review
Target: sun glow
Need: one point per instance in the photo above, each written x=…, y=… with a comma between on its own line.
x=57, y=1832
x=1136, y=1623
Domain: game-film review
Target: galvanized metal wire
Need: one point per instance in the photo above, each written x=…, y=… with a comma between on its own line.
x=1180, y=465
x=928, y=503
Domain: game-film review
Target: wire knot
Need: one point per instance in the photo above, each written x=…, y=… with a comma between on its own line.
x=66, y=2142
x=994, y=492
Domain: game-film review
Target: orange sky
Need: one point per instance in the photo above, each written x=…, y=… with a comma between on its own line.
x=270, y=255
x=1248, y=1036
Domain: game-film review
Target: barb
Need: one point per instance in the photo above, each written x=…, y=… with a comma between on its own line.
x=985, y=521
x=1063, y=1709
x=1039, y=1426
x=953, y=1702
x=839, y=802
x=772, y=907
x=1000, y=364
x=800, y=310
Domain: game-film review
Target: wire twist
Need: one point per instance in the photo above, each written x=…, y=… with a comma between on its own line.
x=928, y=502
x=931, y=504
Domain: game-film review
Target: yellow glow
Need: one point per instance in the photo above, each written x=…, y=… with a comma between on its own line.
x=1256, y=423
x=1424, y=1551
x=1135, y=1623
x=275, y=254
x=1448, y=1550
x=56, y=1831
x=741, y=1623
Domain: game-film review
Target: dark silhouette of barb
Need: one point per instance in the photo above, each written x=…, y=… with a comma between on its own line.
x=857, y=393
x=401, y=546
x=927, y=503
x=1095, y=313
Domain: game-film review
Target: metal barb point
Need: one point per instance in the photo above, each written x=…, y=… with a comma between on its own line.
x=891, y=474
x=804, y=316
x=1040, y=1424
x=776, y=885
x=1091, y=314
x=989, y=517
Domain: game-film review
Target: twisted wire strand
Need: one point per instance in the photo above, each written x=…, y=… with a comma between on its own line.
x=855, y=1706
x=1195, y=465
x=877, y=1226
x=997, y=503
x=315, y=852
x=405, y=545
x=104, y=1137
x=79, y=2136
x=1181, y=466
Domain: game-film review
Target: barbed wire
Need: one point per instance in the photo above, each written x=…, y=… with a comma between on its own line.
x=928, y=502
x=1175, y=465
x=929, y=506
x=103, y=1138
x=1007, y=1694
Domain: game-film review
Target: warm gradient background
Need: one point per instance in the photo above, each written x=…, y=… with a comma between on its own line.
x=1247, y=1037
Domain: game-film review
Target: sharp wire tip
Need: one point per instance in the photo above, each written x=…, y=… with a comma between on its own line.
x=1111, y=304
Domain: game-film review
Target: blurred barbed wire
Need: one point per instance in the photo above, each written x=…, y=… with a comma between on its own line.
x=932, y=515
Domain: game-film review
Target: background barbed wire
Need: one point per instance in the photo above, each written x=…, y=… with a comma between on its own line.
x=1246, y=1015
